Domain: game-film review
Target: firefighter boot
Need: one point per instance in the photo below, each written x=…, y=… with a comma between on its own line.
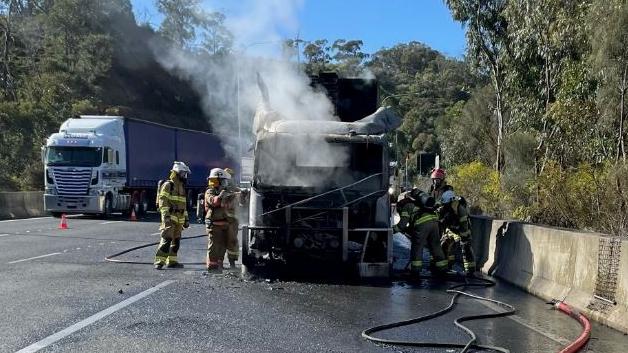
x=175, y=265
x=213, y=265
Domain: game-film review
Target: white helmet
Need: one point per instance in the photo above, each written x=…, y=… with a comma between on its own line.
x=219, y=173
x=447, y=197
x=181, y=169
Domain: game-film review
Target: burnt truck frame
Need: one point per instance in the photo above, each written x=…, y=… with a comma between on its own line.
x=321, y=214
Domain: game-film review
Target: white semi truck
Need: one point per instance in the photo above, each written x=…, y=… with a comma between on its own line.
x=103, y=164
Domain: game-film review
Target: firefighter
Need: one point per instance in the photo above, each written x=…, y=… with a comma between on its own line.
x=233, y=247
x=454, y=218
x=419, y=221
x=174, y=216
x=218, y=201
x=439, y=185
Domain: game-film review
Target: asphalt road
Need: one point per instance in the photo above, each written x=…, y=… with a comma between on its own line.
x=57, y=294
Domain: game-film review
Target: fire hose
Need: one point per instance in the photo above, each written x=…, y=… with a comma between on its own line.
x=573, y=347
x=112, y=258
x=456, y=292
x=579, y=342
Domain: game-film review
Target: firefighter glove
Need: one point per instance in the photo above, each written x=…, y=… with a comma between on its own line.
x=186, y=224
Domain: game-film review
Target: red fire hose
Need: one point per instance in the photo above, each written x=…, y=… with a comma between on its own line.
x=579, y=342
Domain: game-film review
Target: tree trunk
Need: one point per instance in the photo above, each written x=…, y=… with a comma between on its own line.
x=620, y=136
x=500, y=125
x=7, y=78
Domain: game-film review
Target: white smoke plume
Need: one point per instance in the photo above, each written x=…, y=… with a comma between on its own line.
x=229, y=85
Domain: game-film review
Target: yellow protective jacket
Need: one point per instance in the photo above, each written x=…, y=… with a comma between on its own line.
x=172, y=201
x=218, y=208
x=455, y=219
x=412, y=216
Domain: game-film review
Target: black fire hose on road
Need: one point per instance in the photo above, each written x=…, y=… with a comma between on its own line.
x=112, y=258
x=455, y=290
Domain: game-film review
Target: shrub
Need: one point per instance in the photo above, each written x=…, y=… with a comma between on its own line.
x=480, y=185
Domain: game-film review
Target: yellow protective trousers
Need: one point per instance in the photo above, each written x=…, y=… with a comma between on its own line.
x=233, y=247
x=217, y=238
x=459, y=246
x=426, y=233
x=169, y=244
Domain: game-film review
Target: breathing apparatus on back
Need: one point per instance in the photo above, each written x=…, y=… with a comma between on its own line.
x=417, y=197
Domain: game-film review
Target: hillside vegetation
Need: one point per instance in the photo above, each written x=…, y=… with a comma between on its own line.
x=530, y=124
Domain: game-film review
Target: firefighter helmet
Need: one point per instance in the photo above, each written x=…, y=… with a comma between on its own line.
x=181, y=169
x=447, y=197
x=218, y=173
x=438, y=173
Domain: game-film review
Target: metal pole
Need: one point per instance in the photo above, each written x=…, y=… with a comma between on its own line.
x=406, y=178
x=238, y=117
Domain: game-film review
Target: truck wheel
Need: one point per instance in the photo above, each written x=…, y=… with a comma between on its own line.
x=143, y=206
x=108, y=206
x=56, y=214
x=190, y=200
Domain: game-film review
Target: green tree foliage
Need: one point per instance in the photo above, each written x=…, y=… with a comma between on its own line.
x=558, y=76
x=66, y=57
x=422, y=85
x=609, y=39
x=487, y=44
x=188, y=26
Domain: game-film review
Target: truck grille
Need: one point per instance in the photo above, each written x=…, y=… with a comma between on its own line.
x=72, y=182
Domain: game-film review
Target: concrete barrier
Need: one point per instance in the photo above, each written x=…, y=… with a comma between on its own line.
x=587, y=270
x=21, y=204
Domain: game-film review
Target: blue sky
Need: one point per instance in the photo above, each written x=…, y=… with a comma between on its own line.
x=378, y=23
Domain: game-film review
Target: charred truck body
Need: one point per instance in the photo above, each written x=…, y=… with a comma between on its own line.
x=319, y=194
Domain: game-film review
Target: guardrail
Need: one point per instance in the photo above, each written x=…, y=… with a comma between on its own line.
x=589, y=271
x=21, y=204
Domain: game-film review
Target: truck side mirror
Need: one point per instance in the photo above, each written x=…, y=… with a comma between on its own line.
x=43, y=154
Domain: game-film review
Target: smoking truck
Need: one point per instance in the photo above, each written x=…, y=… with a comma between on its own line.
x=104, y=164
x=320, y=190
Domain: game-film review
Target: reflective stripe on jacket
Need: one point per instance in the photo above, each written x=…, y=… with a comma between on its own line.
x=172, y=201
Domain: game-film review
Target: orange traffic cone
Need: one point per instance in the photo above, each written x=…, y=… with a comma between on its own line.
x=133, y=217
x=64, y=222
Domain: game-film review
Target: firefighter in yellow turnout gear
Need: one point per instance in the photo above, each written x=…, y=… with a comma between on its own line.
x=420, y=222
x=218, y=203
x=236, y=198
x=456, y=225
x=174, y=216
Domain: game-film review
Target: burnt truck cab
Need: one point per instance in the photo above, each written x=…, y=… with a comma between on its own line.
x=319, y=196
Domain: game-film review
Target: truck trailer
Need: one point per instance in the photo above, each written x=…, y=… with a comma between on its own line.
x=103, y=164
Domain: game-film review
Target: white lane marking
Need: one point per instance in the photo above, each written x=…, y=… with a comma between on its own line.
x=156, y=233
x=33, y=258
x=24, y=219
x=4, y=235
x=521, y=321
x=90, y=320
x=109, y=222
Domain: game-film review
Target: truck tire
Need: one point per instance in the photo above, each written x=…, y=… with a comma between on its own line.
x=191, y=200
x=108, y=209
x=56, y=214
x=143, y=204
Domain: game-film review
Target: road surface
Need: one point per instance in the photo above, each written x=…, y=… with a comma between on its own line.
x=59, y=295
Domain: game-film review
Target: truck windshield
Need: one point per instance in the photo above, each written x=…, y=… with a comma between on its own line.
x=74, y=156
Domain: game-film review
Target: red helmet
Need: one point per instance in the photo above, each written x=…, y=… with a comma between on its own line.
x=438, y=173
